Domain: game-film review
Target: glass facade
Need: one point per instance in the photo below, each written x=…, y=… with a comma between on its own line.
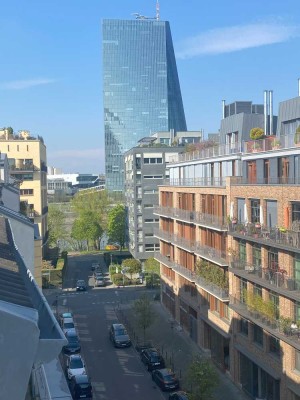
x=140, y=87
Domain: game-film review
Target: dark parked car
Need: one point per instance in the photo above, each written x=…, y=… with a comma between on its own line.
x=165, y=379
x=178, y=396
x=80, y=285
x=73, y=345
x=152, y=359
x=80, y=387
x=119, y=336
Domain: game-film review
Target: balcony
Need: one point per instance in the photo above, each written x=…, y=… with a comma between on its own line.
x=255, y=180
x=216, y=291
x=286, y=239
x=211, y=254
x=274, y=326
x=196, y=182
x=22, y=168
x=163, y=235
x=164, y=260
x=193, y=217
x=271, y=143
x=272, y=278
x=186, y=244
x=213, y=151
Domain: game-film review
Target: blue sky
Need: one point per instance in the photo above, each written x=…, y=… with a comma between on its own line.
x=50, y=69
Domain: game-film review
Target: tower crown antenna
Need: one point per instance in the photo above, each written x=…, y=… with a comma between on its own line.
x=157, y=10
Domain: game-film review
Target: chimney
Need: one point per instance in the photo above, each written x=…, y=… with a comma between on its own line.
x=223, y=109
x=271, y=111
x=266, y=112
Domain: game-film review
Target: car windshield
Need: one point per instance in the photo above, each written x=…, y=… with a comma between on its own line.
x=84, y=385
x=154, y=357
x=76, y=363
x=121, y=331
x=79, y=283
x=169, y=378
x=68, y=325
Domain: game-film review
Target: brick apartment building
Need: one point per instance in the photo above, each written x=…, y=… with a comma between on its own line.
x=230, y=253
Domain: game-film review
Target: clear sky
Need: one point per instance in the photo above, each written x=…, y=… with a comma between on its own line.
x=50, y=69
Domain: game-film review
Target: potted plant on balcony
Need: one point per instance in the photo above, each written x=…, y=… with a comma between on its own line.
x=256, y=133
x=257, y=225
x=285, y=324
x=275, y=144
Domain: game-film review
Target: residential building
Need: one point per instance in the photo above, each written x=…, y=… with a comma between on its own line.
x=229, y=242
x=37, y=341
x=28, y=169
x=141, y=88
x=69, y=184
x=145, y=169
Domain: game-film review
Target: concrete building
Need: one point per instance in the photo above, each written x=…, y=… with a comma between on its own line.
x=27, y=169
x=229, y=242
x=141, y=88
x=30, y=335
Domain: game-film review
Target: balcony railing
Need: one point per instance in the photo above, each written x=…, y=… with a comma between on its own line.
x=195, y=182
x=243, y=180
x=211, y=254
x=209, y=287
x=287, y=239
x=213, y=151
x=195, y=217
x=271, y=143
x=191, y=276
x=23, y=168
x=275, y=278
x=161, y=234
x=188, y=244
x=273, y=326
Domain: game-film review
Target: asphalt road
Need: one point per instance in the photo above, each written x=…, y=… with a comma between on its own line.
x=116, y=374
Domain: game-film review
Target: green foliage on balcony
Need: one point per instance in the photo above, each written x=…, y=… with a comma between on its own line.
x=212, y=274
x=255, y=303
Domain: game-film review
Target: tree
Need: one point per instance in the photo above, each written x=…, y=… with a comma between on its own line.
x=132, y=266
x=10, y=130
x=202, y=379
x=87, y=228
x=152, y=267
x=116, y=226
x=96, y=203
x=145, y=315
x=56, y=219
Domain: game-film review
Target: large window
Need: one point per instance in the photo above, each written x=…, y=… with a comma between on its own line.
x=241, y=210
x=244, y=326
x=275, y=300
x=255, y=211
x=243, y=290
x=274, y=346
x=271, y=213
x=297, y=360
x=295, y=211
x=242, y=250
x=258, y=335
x=297, y=269
x=256, y=256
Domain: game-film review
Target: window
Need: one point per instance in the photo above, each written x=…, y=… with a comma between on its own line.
x=256, y=257
x=226, y=311
x=151, y=191
x=243, y=290
x=242, y=250
x=257, y=290
x=273, y=259
x=26, y=192
x=255, y=211
x=153, y=176
x=274, y=298
x=152, y=247
x=241, y=210
x=244, y=326
x=295, y=211
x=148, y=206
x=258, y=335
x=274, y=346
x=297, y=311
x=153, y=160
x=149, y=235
x=271, y=213
x=297, y=269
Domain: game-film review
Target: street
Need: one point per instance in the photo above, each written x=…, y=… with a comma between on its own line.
x=116, y=374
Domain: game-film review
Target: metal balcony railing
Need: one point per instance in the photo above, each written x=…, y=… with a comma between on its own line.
x=276, y=277
x=195, y=182
x=211, y=254
x=288, y=239
x=193, y=217
x=275, y=326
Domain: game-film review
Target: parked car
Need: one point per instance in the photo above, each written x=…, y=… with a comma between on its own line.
x=99, y=282
x=178, y=396
x=73, y=345
x=119, y=336
x=95, y=266
x=80, y=285
x=165, y=379
x=98, y=274
x=75, y=366
x=80, y=387
x=67, y=324
x=152, y=359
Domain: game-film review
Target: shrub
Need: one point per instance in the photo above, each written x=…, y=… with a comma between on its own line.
x=256, y=133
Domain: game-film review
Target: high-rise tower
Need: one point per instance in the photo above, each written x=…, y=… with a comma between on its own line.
x=141, y=88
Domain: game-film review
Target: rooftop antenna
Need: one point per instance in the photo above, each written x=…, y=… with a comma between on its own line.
x=157, y=11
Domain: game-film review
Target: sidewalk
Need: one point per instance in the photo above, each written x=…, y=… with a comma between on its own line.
x=176, y=347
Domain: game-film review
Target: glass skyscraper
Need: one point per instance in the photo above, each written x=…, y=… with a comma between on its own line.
x=141, y=88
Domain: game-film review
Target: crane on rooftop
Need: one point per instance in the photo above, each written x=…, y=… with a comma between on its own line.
x=157, y=17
